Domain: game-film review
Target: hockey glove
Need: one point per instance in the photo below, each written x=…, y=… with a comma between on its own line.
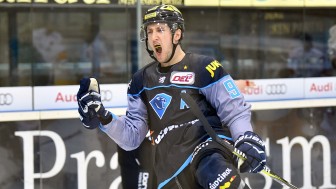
x=253, y=147
x=90, y=107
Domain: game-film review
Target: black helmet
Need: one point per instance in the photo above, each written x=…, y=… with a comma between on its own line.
x=162, y=14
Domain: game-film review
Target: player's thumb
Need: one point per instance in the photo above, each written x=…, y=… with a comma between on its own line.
x=84, y=85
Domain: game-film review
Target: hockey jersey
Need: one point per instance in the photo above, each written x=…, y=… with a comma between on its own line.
x=155, y=105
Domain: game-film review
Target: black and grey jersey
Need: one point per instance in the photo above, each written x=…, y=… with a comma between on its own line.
x=155, y=104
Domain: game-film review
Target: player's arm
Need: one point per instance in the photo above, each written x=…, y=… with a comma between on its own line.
x=235, y=113
x=127, y=131
x=232, y=109
x=130, y=130
x=221, y=91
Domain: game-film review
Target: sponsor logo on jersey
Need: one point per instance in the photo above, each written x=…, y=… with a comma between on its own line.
x=198, y=148
x=212, y=67
x=150, y=137
x=184, y=78
x=162, y=79
x=221, y=178
x=183, y=105
x=143, y=180
x=160, y=103
x=129, y=84
x=228, y=184
x=170, y=128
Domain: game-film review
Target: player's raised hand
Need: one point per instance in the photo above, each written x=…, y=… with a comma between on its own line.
x=90, y=107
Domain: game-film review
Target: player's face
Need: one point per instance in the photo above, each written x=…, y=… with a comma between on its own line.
x=160, y=41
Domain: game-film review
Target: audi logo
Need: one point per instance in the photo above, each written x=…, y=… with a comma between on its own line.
x=6, y=99
x=106, y=95
x=276, y=89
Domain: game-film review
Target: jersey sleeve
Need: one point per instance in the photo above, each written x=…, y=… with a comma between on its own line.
x=129, y=130
x=210, y=71
x=222, y=93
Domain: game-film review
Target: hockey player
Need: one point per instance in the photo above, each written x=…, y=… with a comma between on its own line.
x=184, y=156
x=136, y=165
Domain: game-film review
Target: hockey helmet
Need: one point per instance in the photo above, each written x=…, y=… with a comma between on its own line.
x=162, y=14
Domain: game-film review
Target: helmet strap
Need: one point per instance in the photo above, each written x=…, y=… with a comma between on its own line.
x=173, y=53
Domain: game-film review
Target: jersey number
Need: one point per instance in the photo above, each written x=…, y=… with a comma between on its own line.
x=231, y=88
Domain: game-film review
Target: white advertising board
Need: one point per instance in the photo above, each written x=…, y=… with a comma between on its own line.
x=115, y=95
x=64, y=97
x=16, y=99
x=320, y=87
x=275, y=89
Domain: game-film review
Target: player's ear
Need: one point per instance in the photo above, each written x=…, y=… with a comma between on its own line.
x=177, y=36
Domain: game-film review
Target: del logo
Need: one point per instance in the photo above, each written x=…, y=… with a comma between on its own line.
x=187, y=78
x=160, y=103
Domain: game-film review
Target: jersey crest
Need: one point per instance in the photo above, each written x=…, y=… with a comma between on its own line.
x=160, y=103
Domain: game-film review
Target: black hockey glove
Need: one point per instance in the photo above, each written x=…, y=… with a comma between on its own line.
x=90, y=107
x=253, y=147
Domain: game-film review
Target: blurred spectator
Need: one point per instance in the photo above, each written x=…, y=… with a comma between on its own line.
x=94, y=49
x=49, y=44
x=332, y=47
x=305, y=60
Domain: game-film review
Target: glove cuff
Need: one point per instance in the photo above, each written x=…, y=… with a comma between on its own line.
x=251, y=137
x=104, y=116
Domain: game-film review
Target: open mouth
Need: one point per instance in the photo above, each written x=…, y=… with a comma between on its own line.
x=158, y=48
